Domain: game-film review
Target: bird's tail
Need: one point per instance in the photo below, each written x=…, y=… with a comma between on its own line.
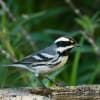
x=18, y=66
x=14, y=65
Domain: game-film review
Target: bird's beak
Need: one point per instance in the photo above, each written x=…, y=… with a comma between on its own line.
x=77, y=45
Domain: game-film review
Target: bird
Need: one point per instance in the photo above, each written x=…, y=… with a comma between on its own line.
x=49, y=59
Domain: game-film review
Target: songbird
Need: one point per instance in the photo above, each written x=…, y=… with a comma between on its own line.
x=49, y=59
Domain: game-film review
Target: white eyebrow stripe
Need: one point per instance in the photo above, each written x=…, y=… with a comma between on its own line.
x=47, y=55
x=62, y=39
x=37, y=57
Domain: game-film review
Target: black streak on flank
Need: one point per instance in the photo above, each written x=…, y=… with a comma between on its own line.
x=50, y=65
x=53, y=65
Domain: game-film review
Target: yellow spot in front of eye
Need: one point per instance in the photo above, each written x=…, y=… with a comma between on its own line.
x=72, y=41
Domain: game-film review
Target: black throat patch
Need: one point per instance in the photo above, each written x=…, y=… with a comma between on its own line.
x=64, y=53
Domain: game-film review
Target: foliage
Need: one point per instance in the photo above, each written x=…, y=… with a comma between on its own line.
x=28, y=26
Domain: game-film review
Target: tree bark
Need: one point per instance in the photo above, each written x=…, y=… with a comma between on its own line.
x=84, y=92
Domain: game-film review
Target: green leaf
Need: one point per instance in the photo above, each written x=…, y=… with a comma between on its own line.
x=3, y=78
x=36, y=17
x=88, y=24
x=93, y=75
x=74, y=72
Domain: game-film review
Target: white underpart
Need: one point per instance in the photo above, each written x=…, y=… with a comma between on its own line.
x=41, y=69
x=62, y=39
x=46, y=69
x=37, y=57
x=47, y=55
x=61, y=49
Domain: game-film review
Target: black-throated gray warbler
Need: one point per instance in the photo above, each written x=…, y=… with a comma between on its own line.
x=49, y=59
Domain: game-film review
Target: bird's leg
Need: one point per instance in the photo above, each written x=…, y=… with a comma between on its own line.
x=41, y=82
x=57, y=84
x=51, y=80
x=39, y=79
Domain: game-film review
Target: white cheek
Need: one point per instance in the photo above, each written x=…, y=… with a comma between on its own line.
x=61, y=49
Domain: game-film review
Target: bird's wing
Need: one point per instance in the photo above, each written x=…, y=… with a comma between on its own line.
x=38, y=58
x=42, y=57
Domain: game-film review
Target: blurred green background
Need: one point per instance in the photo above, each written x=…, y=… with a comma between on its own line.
x=30, y=25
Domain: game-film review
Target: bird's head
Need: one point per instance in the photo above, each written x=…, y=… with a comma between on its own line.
x=65, y=44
